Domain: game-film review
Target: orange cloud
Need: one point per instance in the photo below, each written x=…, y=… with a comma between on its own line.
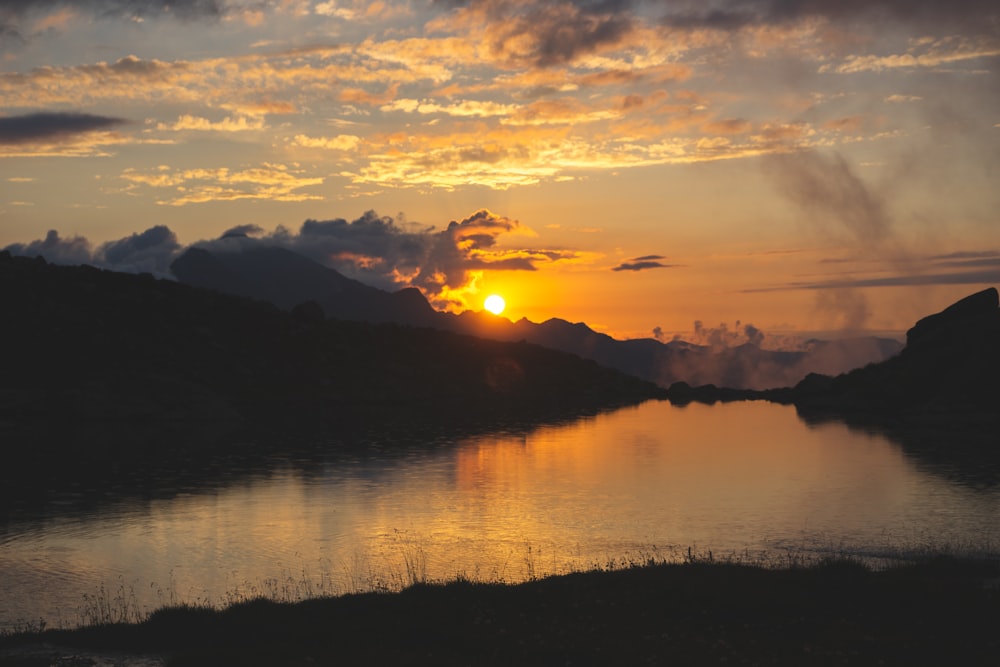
x=229, y=124
x=361, y=96
x=273, y=182
x=341, y=142
x=923, y=54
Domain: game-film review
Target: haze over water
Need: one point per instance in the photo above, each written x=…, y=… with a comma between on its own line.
x=650, y=481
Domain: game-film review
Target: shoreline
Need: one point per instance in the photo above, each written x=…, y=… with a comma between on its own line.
x=836, y=611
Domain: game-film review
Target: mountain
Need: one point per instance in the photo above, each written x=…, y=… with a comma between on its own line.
x=950, y=366
x=285, y=278
x=947, y=374
x=108, y=370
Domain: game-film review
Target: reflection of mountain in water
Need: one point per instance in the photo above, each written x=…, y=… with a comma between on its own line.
x=286, y=279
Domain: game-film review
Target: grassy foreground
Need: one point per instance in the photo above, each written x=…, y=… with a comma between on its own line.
x=943, y=611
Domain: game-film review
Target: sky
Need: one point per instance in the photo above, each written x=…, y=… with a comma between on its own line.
x=646, y=167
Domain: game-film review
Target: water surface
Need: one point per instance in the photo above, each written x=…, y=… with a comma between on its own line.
x=649, y=481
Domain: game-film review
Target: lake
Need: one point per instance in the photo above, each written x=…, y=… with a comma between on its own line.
x=748, y=480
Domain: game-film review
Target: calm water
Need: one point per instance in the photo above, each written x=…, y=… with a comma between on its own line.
x=647, y=481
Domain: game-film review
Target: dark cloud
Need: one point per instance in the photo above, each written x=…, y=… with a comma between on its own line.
x=390, y=254
x=12, y=12
x=377, y=250
x=150, y=251
x=549, y=32
x=9, y=32
x=967, y=254
x=459, y=249
x=981, y=277
x=243, y=230
x=966, y=260
x=643, y=263
x=735, y=14
x=180, y=8
x=52, y=126
x=55, y=249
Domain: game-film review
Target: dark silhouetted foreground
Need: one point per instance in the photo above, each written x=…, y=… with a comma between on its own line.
x=942, y=612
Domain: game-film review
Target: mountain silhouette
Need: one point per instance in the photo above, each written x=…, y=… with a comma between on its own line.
x=110, y=370
x=950, y=366
x=285, y=278
x=948, y=374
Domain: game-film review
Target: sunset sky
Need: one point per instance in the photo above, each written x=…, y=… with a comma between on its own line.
x=806, y=165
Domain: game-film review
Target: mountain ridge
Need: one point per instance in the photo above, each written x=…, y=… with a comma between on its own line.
x=742, y=367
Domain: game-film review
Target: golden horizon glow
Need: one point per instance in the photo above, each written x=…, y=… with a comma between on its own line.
x=495, y=304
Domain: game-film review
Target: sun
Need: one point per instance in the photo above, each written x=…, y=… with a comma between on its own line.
x=494, y=303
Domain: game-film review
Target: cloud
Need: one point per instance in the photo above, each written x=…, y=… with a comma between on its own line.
x=721, y=337
x=187, y=122
x=385, y=252
x=57, y=13
x=835, y=200
x=391, y=253
x=967, y=259
x=273, y=182
x=55, y=249
x=736, y=14
x=465, y=108
x=243, y=230
x=923, y=54
x=830, y=194
x=965, y=267
x=150, y=251
x=341, y=142
x=184, y=9
x=643, y=263
x=986, y=276
x=541, y=34
x=48, y=127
